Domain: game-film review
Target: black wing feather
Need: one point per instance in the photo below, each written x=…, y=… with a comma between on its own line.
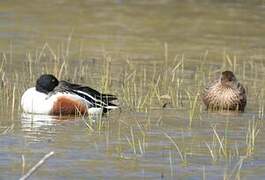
x=88, y=90
x=74, y=88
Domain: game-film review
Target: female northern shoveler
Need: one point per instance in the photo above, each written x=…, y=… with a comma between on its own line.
x=54, y=97
x=226, y=94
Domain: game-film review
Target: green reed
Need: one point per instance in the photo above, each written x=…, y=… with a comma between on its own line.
x=251, y=135
x=235, y=173
x=181, y=153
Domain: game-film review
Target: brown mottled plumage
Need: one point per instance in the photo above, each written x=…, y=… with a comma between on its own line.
x=225, y=94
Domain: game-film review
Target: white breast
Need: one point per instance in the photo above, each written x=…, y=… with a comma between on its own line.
x=33, y=101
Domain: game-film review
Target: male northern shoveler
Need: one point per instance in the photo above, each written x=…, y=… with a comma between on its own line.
x=226, y=94
x=54, y=97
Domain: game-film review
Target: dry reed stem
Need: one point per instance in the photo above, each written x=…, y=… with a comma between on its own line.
x=36, y=166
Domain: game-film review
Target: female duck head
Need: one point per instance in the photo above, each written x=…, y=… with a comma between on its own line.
x=46, y=83
x=228, y=78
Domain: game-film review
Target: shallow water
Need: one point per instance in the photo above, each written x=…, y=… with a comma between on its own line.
x=133, y=143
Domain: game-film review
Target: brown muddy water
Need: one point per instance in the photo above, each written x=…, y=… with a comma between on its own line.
x=156, y=56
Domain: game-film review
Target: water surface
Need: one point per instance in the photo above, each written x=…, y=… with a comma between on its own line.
x=144, y=40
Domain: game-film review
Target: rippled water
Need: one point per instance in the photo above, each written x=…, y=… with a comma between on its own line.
x=126, y=143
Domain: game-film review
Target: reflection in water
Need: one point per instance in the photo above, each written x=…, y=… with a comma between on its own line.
x=37, y=127
x=36, y=121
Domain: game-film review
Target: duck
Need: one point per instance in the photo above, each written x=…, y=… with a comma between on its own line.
x=53, y=97
x=225, y=93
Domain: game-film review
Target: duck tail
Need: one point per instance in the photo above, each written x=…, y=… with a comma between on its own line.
x=108, y=97
x=109, y=107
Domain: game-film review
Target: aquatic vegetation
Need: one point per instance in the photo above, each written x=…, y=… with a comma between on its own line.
x=182, y=154
x=236, y=170
x=155, y=99
x=253, y=131
x=193, y=105
x=36, y=166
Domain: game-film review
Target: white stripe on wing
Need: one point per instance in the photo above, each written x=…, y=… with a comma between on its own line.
x=98, y=102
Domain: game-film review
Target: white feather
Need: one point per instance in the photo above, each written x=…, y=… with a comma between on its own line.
x=33, y=101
